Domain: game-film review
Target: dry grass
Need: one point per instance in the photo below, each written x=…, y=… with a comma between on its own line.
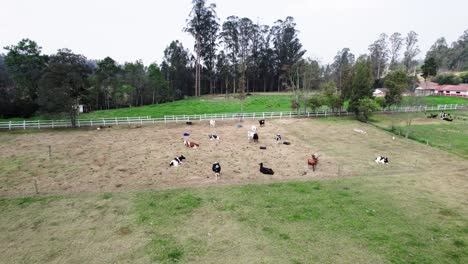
x=136, y=159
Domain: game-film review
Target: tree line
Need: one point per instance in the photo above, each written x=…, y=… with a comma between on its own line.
x=236, y=56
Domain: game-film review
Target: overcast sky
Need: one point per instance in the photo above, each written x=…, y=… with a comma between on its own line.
x=141, y=29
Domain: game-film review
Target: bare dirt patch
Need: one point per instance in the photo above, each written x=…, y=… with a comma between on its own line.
x=121, y=159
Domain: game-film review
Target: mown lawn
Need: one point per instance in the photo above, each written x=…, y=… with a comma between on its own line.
x=382, y=219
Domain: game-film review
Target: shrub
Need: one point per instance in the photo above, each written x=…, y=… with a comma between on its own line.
x=447, y=78
x=315, y=102
x=366, y=106
x=464, y=77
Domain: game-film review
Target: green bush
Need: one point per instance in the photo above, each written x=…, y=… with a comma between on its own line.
x=316, y=101
x=447, y=78
x=464, y=77
x=380, y=101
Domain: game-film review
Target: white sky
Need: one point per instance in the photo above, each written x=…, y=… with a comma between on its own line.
x=141, y=29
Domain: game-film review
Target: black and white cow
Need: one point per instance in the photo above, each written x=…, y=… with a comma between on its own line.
x=381, y=159
x=176, y=161
x=255, y=138
x=278, y=138
x=213, y=137
x=216, y=168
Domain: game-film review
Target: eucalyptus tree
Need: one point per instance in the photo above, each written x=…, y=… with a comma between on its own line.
x=106, y=81
x=202, y=25
x=379, y=56
x=176, y=70
x=64, y=84
x=267, y=58
x=342, y=68
x=222, y=71
x=246, y=31
x=159, y=87
x=439, y=52
x=134, y=76
x=287, y=46
x=411, y=51
x=230, y=39
x=458, y=54
x=396, y=43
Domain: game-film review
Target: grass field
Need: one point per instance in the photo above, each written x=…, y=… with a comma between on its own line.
x=399, y=219
x=449, y=136
x=351, y=210
x=220, y=104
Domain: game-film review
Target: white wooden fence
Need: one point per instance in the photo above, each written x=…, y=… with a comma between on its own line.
x=115, y=121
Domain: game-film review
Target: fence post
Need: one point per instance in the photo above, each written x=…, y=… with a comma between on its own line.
x=91, y=122
x=24, y=124
x=9, y=126
x=141, y=122
x=281, y=115
x=52, y=123
x=39, y=124
x=104, y=121
x=116, y=122
x=78, y=123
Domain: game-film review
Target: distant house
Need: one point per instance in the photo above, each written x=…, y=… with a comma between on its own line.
x=453, y=90
x=380, y=92
x=431, y=88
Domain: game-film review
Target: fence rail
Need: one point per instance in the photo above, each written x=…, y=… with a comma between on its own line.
x=39, y=124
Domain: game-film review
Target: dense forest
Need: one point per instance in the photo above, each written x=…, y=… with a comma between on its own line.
x=236, y=56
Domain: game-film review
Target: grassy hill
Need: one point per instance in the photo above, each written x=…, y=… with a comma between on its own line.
x=220, y=104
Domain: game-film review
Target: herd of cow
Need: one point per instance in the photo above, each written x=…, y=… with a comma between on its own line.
x=252, y=137
x=442, y=115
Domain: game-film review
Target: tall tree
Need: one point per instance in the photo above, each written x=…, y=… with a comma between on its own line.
x=134, y=76
x=287, y=47
x=7, y=93
x=396, y=43
x=246, y=31
x=411, y=51
x=342, y=67
x=63, y=84
x=202, y=25
x=439, y=52
x=362, y=83
x=396, y=82
x=379, y=55
x=429, y=68
x=176, y=69
x=158, y=85
x=458, y=53
x=222, y=71
x=106, y=80
x=230, y=39
x=26, y=64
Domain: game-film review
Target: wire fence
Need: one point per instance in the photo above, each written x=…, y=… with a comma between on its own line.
x=141, y=120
